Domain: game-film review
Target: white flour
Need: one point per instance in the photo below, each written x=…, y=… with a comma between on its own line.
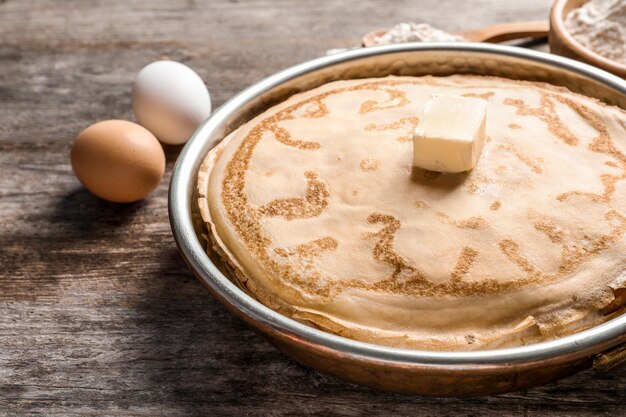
x=600, y=25
x=408, y=32
x=415, y=32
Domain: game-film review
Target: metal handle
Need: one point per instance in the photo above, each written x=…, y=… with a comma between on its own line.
x=604, y=362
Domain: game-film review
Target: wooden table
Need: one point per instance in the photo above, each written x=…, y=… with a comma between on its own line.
x=98, y=313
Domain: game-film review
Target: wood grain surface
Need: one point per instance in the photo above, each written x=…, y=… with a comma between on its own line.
x=98, y=313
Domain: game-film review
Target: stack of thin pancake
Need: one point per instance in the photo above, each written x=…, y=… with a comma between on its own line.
x=317, y=212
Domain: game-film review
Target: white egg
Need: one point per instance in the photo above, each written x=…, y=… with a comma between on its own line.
x=170, y=100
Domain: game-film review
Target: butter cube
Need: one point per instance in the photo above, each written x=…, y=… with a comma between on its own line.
x=450, y=133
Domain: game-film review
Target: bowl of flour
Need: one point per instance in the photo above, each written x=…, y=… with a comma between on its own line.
x=593, y=31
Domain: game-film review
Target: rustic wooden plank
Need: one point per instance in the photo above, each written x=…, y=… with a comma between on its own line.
x=98, y=313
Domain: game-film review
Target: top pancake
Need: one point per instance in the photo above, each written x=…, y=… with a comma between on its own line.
x=317, y=210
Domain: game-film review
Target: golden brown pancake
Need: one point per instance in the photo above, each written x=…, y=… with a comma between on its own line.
x=317, y=212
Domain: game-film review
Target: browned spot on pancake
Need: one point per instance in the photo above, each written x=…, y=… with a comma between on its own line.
x=315, y=110
x=398, y=124
x=420, y=204
x=269, y=173
x=514, y=126
x=510, y=248
x=396, y=99
x=369, y=164
x=611, y=164
x=406, y=123
x=551, y=230
x=300, y=208
x=283, y=136
x=546, y=113
x=475, y=180
x=384, y=251
x=317, y=247
x=484, y=96
x=495, y=205
x=533, y=163
x=281, y=252
x=474, y=222
x=616, y=217
x=472, y=186
x=464, y=263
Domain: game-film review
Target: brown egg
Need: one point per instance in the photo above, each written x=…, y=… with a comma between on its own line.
x=118, y=161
